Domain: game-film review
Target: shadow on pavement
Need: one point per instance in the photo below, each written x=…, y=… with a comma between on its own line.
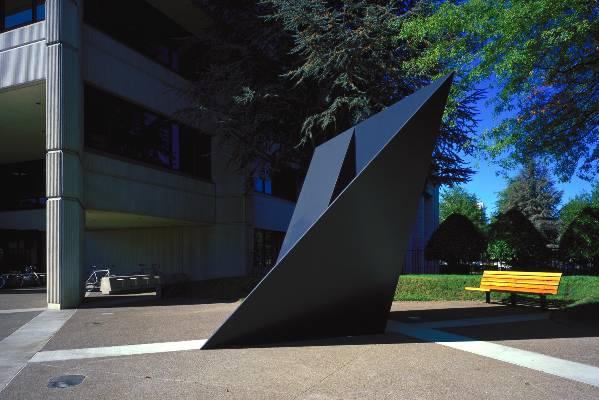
x=96, y=300
x=23, y=291
x=522, y=330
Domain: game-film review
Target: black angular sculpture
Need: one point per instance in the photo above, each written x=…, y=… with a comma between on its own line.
x=342, y=254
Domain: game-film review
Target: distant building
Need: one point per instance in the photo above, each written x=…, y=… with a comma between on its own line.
x=97, y=169
x=427, y=221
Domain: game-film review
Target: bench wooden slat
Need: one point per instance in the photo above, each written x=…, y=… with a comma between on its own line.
x=532, y=281
x=509, y=284
x=529, y=277
x=523, y=291
x=478, y=289
x=520, y=289
x=521, y=273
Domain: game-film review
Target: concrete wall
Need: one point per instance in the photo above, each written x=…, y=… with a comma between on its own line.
x=23, y=55
x=23, y=219
x=426, y=222
x=65, y=216
x=200, y=252
x=124, y=72
x=271, y=213
x=122, y=186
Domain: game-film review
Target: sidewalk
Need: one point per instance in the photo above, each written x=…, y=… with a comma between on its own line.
x=388, y=366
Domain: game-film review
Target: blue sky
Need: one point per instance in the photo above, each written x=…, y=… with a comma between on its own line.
x=486, y=182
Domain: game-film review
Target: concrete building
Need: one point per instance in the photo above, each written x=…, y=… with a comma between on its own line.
x=95, y=166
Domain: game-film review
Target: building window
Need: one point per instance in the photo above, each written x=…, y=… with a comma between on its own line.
x=267, y=245
x=285, y=184
x=19, y=248
x=262, y=184
x=140, y=26
x=25, y=185
x=115, y=126
x=17, y=13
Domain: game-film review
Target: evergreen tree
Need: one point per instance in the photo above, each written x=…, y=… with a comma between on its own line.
x=574, y=207
x=457, y=242
x=521, y=239
x=533, y=192
x=282, y=76
x=456, y=200
x=580, y=241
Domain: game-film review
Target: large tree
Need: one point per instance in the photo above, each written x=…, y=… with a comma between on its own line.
x=456, y=200
x=533, y=192
x=543, y=56
x=580, y=241
x=519, y=238
x=457, y=241
x=283, y=76
x=574, y=207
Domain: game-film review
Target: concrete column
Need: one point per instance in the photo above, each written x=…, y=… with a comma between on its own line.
x=65, y=218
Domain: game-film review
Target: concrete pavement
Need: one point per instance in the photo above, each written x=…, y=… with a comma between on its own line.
x=390, y=366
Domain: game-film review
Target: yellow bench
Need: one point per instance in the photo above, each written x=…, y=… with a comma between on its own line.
x=513, y=282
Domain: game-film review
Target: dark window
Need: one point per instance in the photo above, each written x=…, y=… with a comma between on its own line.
x=263, y=184
x=267, y=245
x=19, y=248
x=115, y=126
x=25, y=185
x=284, y=183
x=17, y=13
x=142, y=27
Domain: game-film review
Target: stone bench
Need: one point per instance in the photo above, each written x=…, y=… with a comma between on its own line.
x=130, y=284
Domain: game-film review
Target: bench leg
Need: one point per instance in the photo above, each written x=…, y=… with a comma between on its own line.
x=513, y=299
x=488, y=297
x=543, y=301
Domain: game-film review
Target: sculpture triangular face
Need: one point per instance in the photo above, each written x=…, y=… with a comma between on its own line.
x=344, y=249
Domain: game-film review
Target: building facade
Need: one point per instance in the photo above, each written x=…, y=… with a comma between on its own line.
x=96, y=167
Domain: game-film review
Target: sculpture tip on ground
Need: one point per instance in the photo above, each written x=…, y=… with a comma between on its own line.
x=343, y=252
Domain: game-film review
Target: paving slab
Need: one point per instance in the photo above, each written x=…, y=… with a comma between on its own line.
x=11, y=322
x=113, y=326
x=568, y=341
x=22, y=298
x=430, y=311
x=387, y=366
x=378, y=367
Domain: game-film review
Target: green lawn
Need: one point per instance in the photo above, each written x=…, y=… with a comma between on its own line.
x=451, y=287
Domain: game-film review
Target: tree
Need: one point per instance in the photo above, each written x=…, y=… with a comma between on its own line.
x=456, y=200
x=240, y=93
x=580, y=241
x=527, y=243
x=500, y=250
x=533, y=192
x=543, y=56
x=283, y=76
x=574, y=206
x=456, y=241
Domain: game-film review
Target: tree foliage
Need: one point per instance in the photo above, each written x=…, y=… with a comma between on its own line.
x=527, y=243
x=500, y=250
x=240, y=93
x=580, y=241
x=574, y=206
x=456, y=241
x=543, y=55
x=533, y=192
x=456, y=200
x=283, y=76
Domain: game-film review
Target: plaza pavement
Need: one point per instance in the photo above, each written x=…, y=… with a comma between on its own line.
x=389, y=366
